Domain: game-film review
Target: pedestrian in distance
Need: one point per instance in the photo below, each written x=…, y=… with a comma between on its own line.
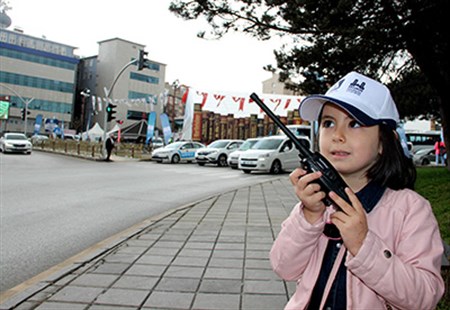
x=390, y=250
x=109, y=144
x=440, y=151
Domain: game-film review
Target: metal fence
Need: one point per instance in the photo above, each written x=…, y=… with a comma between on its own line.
x=92, y=149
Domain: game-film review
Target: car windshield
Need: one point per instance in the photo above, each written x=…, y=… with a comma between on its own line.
x=174, y=145
x=218, y=144
x=267, y=144
x=247, y=145
x=15, y=137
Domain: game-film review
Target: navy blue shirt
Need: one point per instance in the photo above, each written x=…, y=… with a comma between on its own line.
x=337, y=298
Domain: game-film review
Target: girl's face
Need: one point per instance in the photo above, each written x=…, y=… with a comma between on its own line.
x=351, y=148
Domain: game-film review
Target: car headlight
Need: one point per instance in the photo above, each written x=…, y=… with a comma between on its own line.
x=263, y=156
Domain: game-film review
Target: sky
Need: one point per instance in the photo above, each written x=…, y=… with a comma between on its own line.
x=231, y=64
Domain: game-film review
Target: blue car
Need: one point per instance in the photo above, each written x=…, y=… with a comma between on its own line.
x=176, y=152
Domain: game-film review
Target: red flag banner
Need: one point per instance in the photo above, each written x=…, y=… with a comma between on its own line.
x=239, y=105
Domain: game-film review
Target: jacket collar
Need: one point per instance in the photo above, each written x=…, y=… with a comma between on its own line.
x=370, y=195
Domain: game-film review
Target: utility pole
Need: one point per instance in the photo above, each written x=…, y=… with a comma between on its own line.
x=108, y=93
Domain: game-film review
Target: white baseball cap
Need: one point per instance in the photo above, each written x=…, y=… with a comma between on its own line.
x=367, y=100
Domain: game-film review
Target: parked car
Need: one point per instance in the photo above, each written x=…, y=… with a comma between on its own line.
x=298, y=130
x=69, y=136
x=273, y=154
x=182, y=151
x=157, y=142
x=15, y=142
x=233, y=158
x=217, y=152
x=39, y=138
x=424, y=156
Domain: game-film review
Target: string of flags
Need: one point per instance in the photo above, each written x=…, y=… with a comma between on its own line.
x=98, y=103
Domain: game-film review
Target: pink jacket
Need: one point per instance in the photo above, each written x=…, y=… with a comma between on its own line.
x=398, y=265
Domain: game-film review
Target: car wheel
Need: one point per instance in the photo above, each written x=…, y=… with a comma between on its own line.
x=175, y=159
x=276, y=167
x=222, y=162
x=201, y=164
x=425, y=162
x=246, y=170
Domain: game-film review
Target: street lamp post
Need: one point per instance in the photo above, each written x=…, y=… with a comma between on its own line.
x=175, y=86
x=85, y=93
x=108, y=93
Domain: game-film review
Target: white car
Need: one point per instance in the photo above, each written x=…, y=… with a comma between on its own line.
x=39, y=138
x=233, y=158
x=182, y=151
x=15, y=142
x=157, y=142
x=217, y=152
x=273, y=154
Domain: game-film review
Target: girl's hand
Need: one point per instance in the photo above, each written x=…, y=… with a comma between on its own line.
x=351, y=221
x=309, y=193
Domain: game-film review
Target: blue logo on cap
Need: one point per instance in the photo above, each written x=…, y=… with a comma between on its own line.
x=356, y=88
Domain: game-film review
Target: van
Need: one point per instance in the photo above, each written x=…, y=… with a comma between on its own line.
x=298, y=130
x=418, y=140
x=274, y=154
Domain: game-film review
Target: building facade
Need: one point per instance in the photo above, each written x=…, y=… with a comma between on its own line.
x=135, y=93
x=274, y=86
x=39, y=72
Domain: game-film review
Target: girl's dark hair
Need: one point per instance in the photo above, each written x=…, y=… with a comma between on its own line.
x=392, y=169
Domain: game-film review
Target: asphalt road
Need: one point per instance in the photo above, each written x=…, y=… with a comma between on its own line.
x=53, y=207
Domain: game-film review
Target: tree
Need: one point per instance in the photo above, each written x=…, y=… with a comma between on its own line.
x=404, y=43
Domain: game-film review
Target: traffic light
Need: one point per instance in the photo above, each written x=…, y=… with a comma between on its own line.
x=142, y=61
x=110, y=110
x=24, y=112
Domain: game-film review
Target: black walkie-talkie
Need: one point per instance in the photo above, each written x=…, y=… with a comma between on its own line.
x=313, y=162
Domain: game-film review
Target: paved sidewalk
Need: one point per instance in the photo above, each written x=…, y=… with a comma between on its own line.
x=212, y=254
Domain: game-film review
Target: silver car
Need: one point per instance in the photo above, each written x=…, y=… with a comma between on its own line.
x=15, y=142
x=424, y=156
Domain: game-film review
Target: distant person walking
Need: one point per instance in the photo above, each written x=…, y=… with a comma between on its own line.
x=440, y=151
x=109, y=144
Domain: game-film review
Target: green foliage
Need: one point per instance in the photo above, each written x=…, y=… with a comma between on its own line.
x=414, y=96
x=433, y=183
x=329, y=38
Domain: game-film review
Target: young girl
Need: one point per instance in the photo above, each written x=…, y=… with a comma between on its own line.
x=389, y=256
